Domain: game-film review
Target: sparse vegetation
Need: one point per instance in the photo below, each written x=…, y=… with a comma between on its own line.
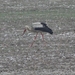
x=16, y=57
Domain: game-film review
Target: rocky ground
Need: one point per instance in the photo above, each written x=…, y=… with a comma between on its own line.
x=16, y=55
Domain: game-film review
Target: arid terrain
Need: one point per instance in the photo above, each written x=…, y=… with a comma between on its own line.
x=57, y=57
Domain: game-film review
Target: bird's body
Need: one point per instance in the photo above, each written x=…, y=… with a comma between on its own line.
x=44, y=28
x=38, y=27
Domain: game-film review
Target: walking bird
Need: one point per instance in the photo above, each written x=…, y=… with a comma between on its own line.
x=38, y=27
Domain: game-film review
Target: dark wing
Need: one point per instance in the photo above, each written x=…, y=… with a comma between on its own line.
x=44, y=29
x=44, y=24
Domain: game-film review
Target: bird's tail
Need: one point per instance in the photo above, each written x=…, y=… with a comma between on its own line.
x=50, y=31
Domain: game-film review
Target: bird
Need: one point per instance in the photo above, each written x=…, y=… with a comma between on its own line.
x=38, y=27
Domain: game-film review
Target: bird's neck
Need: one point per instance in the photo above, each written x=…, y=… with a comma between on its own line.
x=29, y=29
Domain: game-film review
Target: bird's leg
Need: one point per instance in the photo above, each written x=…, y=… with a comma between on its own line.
x=34, y=39
x=43, y=38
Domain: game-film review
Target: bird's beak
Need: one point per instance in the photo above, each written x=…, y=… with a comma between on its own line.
x=24, y=31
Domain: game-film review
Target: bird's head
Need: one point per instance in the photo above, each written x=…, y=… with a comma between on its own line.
x=27, y=28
